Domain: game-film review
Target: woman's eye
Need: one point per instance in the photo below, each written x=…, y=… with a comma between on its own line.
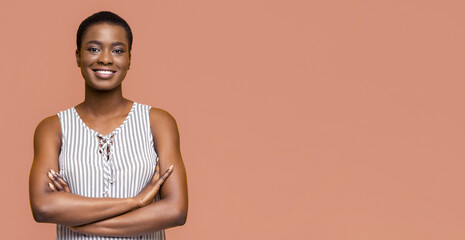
x=93, y=49
x=118, y=51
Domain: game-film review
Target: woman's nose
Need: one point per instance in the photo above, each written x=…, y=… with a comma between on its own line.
x=105, y=57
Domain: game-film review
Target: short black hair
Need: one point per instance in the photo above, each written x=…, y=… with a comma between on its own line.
x=103, y=17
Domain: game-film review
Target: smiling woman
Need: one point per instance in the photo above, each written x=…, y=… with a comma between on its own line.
x=97, y=166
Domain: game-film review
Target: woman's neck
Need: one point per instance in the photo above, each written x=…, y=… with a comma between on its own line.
x=100, y=103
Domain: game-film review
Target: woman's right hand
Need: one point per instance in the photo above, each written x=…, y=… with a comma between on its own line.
x=147, y=194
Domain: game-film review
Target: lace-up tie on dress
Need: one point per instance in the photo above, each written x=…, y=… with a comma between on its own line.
x=106, y=151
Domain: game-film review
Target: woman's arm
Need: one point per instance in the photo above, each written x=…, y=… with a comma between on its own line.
x=154, y=217
x=171, y=210
x=67, y=208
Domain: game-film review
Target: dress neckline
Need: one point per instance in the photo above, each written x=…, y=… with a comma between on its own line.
x=117, y=129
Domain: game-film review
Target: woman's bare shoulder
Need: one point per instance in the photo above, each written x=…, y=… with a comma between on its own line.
x=162, y=122
x=49, y=126
x=160, y=115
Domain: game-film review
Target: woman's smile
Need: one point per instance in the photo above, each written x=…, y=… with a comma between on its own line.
x=104, y=73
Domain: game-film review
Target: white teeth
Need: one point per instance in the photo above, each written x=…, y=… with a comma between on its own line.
x=104, y=72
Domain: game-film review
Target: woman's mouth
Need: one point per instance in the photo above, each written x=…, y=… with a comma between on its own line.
x=103, y=74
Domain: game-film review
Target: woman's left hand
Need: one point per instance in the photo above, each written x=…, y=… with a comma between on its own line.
x=58, y=184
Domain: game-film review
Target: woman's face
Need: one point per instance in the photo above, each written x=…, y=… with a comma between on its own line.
x=104, y=58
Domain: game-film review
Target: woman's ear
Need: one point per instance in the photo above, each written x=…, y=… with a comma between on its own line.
x=129, y=65
x=78, y=58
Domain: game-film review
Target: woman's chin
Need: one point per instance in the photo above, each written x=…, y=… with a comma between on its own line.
x=103, y=87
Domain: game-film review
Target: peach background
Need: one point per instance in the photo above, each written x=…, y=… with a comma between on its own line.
x=299, y=119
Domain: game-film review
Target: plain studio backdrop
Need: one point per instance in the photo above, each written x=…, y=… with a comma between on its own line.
x=298, y=119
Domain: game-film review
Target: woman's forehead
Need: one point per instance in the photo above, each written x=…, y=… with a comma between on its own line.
x=105, y=33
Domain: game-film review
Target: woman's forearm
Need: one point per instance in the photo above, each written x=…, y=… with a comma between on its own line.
x=61, y=206
x=73, y=210
x=151, y=218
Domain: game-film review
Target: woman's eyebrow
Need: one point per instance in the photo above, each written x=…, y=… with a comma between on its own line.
x=118, y=43
x=100, y=43
x=94, y=41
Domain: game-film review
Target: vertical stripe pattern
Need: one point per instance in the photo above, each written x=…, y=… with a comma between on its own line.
x=117, y=165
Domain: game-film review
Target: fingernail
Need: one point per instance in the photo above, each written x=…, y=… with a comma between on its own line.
x=50, y=175
x=53, y=172
x=51, y=186
x=171, y=167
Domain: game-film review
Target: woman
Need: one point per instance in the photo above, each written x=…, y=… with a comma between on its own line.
x=108, y=151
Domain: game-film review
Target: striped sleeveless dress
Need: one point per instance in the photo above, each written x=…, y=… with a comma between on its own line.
x=116, y=165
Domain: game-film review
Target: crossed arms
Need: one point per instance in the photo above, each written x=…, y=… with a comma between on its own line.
x=119, y=217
